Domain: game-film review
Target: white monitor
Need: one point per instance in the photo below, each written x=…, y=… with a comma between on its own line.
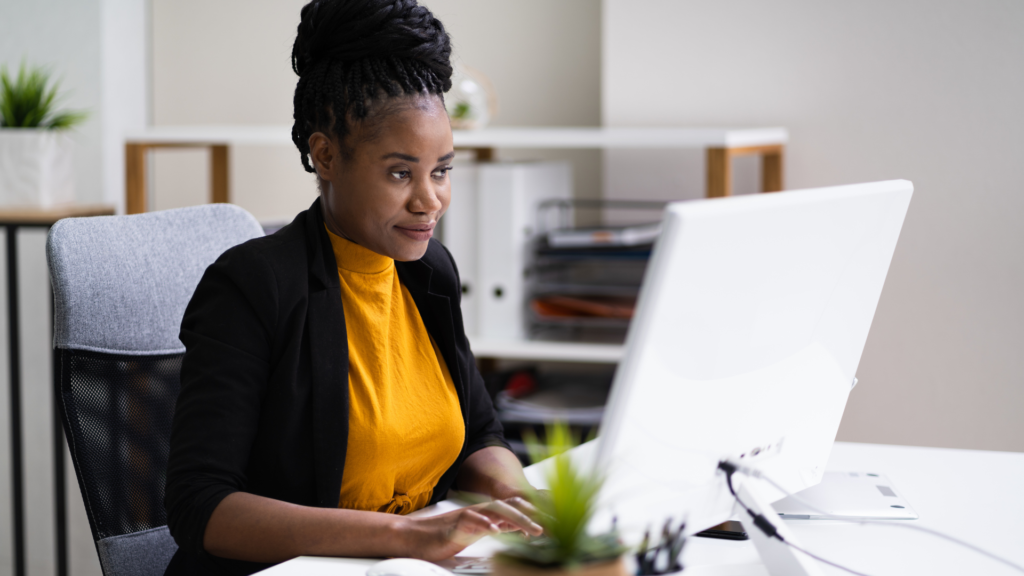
x=745, y=342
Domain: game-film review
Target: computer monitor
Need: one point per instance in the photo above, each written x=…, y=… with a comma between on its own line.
x=744, y=345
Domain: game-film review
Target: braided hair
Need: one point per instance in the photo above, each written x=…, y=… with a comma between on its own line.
x=354, y=55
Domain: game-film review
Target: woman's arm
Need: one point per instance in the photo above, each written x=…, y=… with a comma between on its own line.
x=258, y=529
x=494, y=471
x=224, y=375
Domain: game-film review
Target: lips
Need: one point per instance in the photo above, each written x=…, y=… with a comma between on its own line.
x=418, y=232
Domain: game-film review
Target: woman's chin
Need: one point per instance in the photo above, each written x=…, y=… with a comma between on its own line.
x=410, y=251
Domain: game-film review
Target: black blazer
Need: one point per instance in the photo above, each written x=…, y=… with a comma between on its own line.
x=264, y=381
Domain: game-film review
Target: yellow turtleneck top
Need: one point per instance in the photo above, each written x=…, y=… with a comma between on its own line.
x=405, y=425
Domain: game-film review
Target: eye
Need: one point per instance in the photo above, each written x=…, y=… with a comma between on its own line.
x=400, y=174
x=442, y=172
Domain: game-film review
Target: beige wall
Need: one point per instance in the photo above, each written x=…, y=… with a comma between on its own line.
x=227, y=62
x=544, y=59
x=928, y=90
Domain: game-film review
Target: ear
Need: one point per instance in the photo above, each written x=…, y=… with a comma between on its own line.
x=325, y=155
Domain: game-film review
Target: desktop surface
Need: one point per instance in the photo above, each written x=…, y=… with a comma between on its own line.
x=970, y=494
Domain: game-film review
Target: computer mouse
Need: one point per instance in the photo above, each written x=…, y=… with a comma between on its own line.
x=406, y=567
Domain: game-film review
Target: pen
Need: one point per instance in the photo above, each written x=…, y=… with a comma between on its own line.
x=678, y=541
x=641, y=555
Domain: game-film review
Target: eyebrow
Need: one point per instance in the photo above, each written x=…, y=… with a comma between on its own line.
x=414, y=159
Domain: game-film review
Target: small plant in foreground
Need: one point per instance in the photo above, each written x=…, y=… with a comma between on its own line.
x=564, y=511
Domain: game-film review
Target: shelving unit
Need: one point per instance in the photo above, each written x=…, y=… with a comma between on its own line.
x=568, y=275
x=721, y=145
x=544, y=351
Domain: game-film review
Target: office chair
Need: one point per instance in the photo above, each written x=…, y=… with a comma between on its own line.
x=120, y=287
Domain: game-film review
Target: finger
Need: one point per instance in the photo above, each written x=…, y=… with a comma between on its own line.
x=472, y=526
x=502, y=511
x=528, y=509
x=507, y=527
x=523, y=505
x=479, y=523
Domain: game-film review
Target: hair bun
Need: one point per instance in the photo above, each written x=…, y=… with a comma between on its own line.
x=351, y=55
x=349, y=30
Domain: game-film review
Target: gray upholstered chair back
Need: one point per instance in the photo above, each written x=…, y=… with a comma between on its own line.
x=120, y=286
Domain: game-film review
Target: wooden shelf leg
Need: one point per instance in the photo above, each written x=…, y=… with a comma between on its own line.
x=219, y=174
x=771, y=170
x=484, y=154
x=135, y=178
x=719, y=173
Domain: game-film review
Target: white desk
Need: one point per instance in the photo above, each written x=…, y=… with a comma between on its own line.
x=973, y=495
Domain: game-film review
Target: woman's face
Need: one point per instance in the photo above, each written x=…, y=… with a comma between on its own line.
x=391, y=188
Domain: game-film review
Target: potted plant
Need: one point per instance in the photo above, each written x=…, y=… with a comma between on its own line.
x=36, y=167
x=564, y=509
x=472, y=102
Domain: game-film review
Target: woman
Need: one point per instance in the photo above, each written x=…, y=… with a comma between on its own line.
x=327, y=386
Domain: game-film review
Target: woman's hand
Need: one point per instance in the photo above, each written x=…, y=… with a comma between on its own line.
x=494, y=472
x=443, y=536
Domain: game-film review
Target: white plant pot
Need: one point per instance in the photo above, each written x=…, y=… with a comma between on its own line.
x=36, y=167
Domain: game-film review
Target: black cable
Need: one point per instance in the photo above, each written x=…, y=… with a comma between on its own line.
x=768, y=528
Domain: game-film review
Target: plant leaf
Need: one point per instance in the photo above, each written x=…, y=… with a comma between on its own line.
x=65, y=120
x=564, y=509
x=28, y=100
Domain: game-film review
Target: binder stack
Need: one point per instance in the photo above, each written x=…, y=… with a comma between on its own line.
x=490, y=230
x=586, y=280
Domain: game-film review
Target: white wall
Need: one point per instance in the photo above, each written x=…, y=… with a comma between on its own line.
x=63, y=35
x=124, y=79
x=928, y=90
x=97, y=49
x=227, y=62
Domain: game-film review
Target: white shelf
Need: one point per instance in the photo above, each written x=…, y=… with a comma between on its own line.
x=620, y=137
x=546, y=351
x=524, y=137
x=245, y=135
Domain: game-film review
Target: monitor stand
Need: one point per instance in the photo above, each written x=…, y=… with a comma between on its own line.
x=779, y=558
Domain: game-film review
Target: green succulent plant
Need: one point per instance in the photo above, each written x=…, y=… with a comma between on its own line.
x=564, y=511
x=461, y=111
x=28, y=100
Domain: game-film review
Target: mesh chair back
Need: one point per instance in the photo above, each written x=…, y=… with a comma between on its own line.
x=121, y=284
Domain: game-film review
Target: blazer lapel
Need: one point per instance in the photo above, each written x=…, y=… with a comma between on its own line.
x=328, y=346
x=436, y=311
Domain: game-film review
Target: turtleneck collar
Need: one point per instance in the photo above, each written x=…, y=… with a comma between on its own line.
x=352, y=257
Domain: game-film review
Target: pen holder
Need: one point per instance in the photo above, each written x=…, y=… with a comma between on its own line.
x=664, y=557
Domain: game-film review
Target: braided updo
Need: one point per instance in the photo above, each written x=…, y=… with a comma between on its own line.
x=353, y=54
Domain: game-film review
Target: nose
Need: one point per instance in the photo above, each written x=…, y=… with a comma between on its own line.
x=425, y=196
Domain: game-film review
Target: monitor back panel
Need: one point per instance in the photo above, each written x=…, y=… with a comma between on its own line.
x=746, y=339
